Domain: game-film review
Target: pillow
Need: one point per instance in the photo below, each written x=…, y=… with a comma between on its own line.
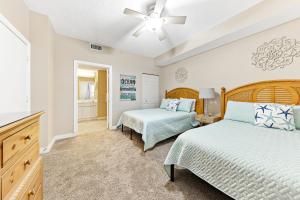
x=185, y=105
x=172, y=105
x=194, y=103
x=164, y=103
x=274, y=116
x=296, y=110
x=240, y=111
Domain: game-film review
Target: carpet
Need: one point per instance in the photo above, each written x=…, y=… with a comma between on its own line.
x=107, y=165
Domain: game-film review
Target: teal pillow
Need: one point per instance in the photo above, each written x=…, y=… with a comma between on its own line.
x=164, y=103
x=185, y=105
x=296, y=110
x=240, y=111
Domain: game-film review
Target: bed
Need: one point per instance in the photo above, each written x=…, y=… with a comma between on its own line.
x=157, y=124
x=242, y=160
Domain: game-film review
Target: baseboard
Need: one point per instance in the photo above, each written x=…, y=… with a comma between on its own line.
x=44, y=150
x=47, y=149
x=64, y=136
x=113, y=127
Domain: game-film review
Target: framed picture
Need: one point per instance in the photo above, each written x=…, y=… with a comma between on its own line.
x=127, y=87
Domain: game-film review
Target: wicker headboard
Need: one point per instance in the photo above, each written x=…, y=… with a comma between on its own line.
x=186, y=93
x=276, y=91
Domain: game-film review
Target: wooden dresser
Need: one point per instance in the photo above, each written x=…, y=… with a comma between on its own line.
x=21, y=164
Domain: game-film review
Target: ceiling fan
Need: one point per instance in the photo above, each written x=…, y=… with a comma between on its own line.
x=153, y=20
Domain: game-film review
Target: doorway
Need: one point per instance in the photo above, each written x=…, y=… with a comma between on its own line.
x=92, y=97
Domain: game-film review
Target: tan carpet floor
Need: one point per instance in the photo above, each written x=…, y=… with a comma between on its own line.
x=91, y=126
x=107, y=165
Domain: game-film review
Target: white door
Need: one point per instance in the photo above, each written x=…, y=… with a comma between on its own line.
x=150, y=91
x=14, y=69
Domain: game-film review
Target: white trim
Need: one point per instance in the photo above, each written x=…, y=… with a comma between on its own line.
x=64, y=136
x=56, y=138
x=113, y=127
x=44, y=150
x=75, y=104
x=75, y=86
x=23, y=39
x=252, y=29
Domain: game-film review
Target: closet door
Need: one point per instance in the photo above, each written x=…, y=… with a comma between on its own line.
x=14, y=69
x=150, y=91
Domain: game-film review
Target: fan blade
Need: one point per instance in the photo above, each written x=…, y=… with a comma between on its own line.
x=139, y=31
x=159, y=6
x=134, y=13
x=161, y=34
x=174, y=20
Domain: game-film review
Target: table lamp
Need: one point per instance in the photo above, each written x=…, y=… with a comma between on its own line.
x=206, y=93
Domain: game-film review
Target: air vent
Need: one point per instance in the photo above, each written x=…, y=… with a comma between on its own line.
x=96, y=47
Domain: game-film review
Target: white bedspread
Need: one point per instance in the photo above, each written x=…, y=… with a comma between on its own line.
x=156, y=124
x=242, y=160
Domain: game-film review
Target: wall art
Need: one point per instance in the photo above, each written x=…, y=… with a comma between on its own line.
x=127, y=87
x=181, y=75
x=278, y=53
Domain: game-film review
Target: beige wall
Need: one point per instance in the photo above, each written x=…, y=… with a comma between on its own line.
x=230, y=65
x=17, y=13
x=41, y=38
x=66, y=51
x=38, y=30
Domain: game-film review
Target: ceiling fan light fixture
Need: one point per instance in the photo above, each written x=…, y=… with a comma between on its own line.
x=153, y=20
x=153, y=24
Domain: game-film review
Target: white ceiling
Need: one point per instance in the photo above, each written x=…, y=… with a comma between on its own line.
x=103, y=21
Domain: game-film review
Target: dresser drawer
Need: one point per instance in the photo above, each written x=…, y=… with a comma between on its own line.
x=34, y=191
x=19, y=169
x=19, y=141
x=39, y=194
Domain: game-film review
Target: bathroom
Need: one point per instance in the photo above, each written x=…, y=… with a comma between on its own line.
x=92, y=99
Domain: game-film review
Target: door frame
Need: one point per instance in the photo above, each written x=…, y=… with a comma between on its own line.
x=75, y=92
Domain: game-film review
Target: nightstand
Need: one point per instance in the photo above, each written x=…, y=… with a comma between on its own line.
x=208, y=120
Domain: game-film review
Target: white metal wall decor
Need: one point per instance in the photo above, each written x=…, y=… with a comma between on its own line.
x=278, y=53
x=181, y=75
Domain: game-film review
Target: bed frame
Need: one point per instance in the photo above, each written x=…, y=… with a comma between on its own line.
x=189, y=93
x=274, y=91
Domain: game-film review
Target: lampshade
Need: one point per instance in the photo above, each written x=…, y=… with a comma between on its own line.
x=207, y=93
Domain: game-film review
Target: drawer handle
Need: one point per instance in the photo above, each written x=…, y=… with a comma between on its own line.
x=13, y=146
x=11, y=180
x=28, y=137
x=27, y=162
x=31, y=193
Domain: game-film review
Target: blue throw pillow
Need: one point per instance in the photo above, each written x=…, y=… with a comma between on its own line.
x=194, y=103
x=185, y=105
x=240, y=111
